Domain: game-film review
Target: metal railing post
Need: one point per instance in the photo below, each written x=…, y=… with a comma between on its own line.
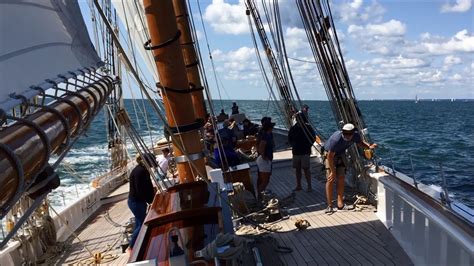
x=445, y=187
x=413, y=173
x=393, y=165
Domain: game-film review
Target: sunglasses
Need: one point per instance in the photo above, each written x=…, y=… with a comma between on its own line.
x=348, y=133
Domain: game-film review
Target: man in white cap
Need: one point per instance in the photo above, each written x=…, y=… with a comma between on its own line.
x=336, y=147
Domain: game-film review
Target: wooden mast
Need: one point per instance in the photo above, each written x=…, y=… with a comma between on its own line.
x=190, y=58
x=183, y=209
x=174, y=82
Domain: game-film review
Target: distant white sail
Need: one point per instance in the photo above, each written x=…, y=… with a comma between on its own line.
x=132, y=13
x=40, y=39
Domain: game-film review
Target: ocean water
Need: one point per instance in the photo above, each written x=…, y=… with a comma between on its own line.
x=431, y=132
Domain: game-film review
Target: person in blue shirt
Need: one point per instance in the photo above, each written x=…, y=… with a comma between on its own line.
x=336, y=147
x=226, y=133
x=226, y=155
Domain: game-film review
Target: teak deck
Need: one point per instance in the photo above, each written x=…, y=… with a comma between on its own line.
x=342, y=238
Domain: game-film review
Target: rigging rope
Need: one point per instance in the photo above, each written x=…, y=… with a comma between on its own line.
x=210, y=54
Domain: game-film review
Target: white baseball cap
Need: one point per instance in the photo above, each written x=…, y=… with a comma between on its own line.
x=348, y=127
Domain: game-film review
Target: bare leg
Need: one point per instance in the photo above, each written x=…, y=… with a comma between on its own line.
x=340, y=191
x=264, y=180
x=307, y=174
x=298, y=178
x=329, y=190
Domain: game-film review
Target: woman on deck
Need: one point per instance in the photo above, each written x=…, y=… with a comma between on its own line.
x=141, y=192
x=265, y=145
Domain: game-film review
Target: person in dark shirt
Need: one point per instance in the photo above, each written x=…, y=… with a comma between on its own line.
x=231, y=158
x=305, y=110
x=227, y=133
x=141, y=192
x=335, y=148
x=249, y=128
x=235, y=108
x=265, y=145
x=301, y=138
x=222, y=116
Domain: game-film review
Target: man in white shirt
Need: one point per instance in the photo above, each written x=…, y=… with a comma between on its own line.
x=163, y=161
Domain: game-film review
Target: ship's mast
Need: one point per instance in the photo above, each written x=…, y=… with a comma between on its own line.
x=176, y=89
x=189, y=53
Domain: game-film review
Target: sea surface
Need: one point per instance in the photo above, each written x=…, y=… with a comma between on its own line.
x=432, y=133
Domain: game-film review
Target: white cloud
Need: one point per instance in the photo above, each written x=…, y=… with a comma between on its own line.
x=459, y=6
x=460, y=42
x=390, y=28
x=356, y=12
x=356, y=4
x=391, y=64
x=227, y=18
x=381, y=38
x=451, y=60
x=456, y=77
x=401, y=62
x=239, y=64
x=432, y=76
x=295, y=41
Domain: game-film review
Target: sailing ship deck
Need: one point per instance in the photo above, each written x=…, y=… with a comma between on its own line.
x=343, y=238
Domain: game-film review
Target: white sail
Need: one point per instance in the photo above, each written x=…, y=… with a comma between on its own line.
x=132, y=14
x=39, y=40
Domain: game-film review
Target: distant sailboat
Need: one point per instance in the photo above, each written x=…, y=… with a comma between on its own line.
x=416, y=99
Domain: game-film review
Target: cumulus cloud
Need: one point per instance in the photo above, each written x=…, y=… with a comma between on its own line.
x=458, y=6
x=390, y=64
x=227, y=18
x=239, y=64
x=389, y=28
x=355, y=11
x=401, y=62
x=296, y=41
x=462, y=41
x=452, y=60
x=379, y=38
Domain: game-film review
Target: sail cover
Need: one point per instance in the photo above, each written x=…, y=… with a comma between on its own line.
x=40, y=39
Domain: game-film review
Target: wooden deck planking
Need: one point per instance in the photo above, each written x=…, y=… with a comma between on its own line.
x=350, y=237
x=99, y=236
x=343, y=238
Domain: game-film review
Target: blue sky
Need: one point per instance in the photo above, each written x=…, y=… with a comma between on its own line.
x=392, y=49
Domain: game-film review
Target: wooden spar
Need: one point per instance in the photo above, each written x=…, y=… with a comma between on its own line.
x=171, y=68
x=183, y=209
x=24, y=140
x=190, y=58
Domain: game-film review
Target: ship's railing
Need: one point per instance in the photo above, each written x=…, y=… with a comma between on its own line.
x=428, y=231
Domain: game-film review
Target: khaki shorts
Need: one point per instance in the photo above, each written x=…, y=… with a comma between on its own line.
x=340, y=165
x=301, y=161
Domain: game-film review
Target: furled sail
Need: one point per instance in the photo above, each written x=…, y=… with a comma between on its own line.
x=131, y=13
x=40, y=39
